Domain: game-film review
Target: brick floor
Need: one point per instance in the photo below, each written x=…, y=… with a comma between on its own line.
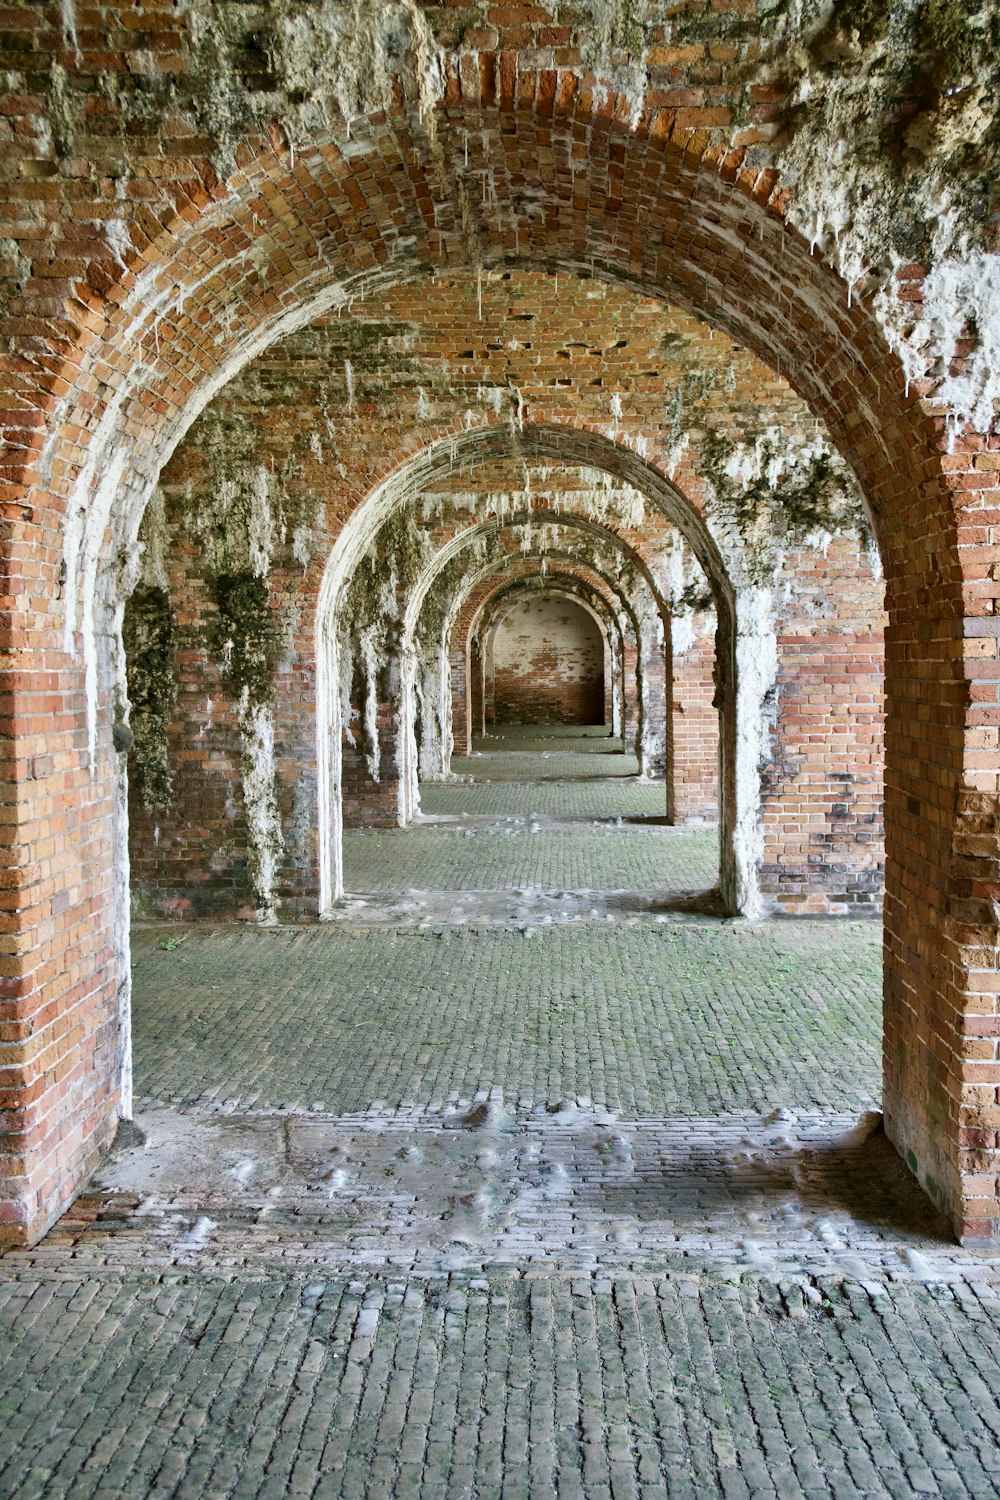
x=554, y=799
x=170, y=1384
x=502, y=1198
x=527, y=752
x=519, y=852
x=683, y=1019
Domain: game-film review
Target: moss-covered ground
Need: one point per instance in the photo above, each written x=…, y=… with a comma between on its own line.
x=688, y=1019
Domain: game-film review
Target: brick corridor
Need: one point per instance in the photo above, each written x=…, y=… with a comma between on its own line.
x=350, y=351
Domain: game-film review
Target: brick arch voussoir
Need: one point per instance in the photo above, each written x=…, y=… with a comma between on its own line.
x=695, y=222
x=476, y=613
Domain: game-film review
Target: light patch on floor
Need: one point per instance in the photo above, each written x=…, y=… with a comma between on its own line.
x=568, y=1187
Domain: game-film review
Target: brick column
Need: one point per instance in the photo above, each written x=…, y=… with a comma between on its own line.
x=695, y=723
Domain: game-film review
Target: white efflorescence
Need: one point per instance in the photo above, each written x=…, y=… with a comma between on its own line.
x=842, y=204
x=260, y=524
x=257, y=763
x=616, y=53
x=758, y=468
x=961, y=292
x=368, y=648
x=345, y=663
x=347, y=55
x=67, y=13
x=155, y=543
x=756, y=663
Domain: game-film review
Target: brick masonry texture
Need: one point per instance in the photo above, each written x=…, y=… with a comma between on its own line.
x=684, y=1020
x=464, y=1211
x=527, y=852
x=556, y=798
x=383, y=1387
x=548, y=665
x=536, y=757
x=160, y=238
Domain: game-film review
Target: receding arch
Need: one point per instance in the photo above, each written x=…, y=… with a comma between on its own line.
x=587, y=624
x=744, y=651
x=572, y=584
x=460, y=543
x=576, y=693
x=481, y=445
x=408, y=750
x=702, y=229
x=607, y=537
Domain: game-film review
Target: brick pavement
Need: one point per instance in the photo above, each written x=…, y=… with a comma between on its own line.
x=492, y=1208
x=682, y=1019
x=516, y=852
x=555, y=753
x=167, y=1383
x=555, y=799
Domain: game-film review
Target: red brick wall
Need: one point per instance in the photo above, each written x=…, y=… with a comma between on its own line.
x=822, y=789
x=695, y=725
x=570, y=575
x=548, y=664
x=121, y=308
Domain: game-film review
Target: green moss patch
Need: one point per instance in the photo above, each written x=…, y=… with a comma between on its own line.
x=149, y=635
x=243, y=636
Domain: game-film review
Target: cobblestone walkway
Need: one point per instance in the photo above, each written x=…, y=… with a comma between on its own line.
x=686, y=1019
x=521, y=1194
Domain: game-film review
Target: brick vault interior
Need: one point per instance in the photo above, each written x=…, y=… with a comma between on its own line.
x=500, y=709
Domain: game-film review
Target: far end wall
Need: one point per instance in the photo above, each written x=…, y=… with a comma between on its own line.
x=548, y=664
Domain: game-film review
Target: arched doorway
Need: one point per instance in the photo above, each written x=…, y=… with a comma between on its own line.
x=88, y=481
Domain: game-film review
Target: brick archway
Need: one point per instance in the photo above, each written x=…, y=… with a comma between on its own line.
x=567, y=574
x=539, y=689
x=590, y=531
x=739, y=629
x=149, y=338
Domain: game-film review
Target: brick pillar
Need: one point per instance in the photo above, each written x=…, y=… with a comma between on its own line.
x=64, y=972
x=609, y=677
x=369, y=802
x=653, y=744
x=630, y=695
x=461, y=701
x=489, y=686
x=695, y=721
x=477, y=718
x=821, y=790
